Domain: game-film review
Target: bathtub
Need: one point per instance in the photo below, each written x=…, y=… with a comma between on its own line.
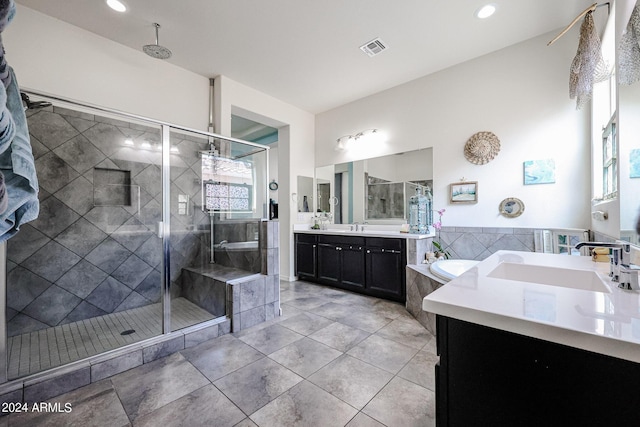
x=449, y=269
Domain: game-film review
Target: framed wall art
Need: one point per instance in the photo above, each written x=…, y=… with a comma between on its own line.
x=634, y=163
x=539, y=172
x=464, y=192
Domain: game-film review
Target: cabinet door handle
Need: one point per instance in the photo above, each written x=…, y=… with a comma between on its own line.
x=314, y=246
x=368, y=251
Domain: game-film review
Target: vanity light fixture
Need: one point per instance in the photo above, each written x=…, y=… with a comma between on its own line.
x=486, y=11
x=369, y=135
x=117, y=5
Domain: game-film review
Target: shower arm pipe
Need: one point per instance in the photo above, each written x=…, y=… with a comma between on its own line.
x=212, y=126
x=577, y=18
x=139, y=117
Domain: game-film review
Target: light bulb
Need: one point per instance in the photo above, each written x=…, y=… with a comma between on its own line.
x=486, y=11
x=117, y=5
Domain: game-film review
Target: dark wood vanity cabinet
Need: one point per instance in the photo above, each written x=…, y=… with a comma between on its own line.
x=373, y=266
x=341, y=261
x=306, y=250
x=385, y=268
x=491, y=377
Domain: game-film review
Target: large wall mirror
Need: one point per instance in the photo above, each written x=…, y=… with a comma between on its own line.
x=305, y=198
x=373, y=190
x=629, y=144
x=629, y=137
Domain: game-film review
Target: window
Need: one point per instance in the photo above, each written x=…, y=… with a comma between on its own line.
x=227, y=197
x=609, y=161
x=228, y=185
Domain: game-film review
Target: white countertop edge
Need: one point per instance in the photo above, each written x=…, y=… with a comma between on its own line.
x=479, y=297
x=594, y=343
x=372, y=233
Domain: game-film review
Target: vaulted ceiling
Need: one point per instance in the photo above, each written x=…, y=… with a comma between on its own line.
x=307, y=52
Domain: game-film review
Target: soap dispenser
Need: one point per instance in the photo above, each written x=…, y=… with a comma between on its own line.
x=418, y=213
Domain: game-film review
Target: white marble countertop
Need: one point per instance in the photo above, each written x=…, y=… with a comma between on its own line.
x=388, y=231
x=606, y=321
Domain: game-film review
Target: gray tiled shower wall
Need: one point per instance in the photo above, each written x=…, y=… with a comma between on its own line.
x=94, y=248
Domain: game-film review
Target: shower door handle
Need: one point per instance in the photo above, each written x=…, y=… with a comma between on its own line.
x=160, y=229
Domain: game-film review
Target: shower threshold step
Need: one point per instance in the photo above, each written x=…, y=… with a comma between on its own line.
x=51, y=347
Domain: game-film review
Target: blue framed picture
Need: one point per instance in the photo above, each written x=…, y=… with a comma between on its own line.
x=634, y=163
x=539, y=172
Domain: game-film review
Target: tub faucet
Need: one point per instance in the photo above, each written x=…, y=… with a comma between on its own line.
x=620, y=270
x=222, y=243
x=354, y=227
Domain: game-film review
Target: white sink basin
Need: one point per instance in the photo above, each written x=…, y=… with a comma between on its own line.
x=553, y=276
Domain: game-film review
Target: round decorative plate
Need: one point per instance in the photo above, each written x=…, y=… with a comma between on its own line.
x=511, y=207
x=273, y=186
x=481, y=148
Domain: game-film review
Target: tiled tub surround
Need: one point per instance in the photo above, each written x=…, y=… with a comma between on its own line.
x=420, y=283
x=475, y=243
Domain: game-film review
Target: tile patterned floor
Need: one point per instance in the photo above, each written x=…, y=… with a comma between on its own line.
x=47, y=348
x=333, y=359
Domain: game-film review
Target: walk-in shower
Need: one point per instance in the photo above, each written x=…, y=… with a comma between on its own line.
x=131, y=212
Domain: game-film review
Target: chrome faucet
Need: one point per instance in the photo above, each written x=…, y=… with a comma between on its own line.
x=354, y=227
x=619, y=270
x=222, y=243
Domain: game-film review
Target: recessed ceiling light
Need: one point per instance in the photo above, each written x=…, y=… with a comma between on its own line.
x=486, y=11
x=117, y=5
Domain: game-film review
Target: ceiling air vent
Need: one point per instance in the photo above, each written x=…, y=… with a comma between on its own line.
x=373, y=47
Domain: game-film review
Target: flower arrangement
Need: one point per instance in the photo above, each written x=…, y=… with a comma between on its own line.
x=437, y=243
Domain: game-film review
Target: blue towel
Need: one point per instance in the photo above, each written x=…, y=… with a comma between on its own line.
x=7, y=126
x=7, y=12
x=18, y=166
x=4, y=198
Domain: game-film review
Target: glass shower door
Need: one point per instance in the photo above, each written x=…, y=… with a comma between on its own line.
x=85, y=277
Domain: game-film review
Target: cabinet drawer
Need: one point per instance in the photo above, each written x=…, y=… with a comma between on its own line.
x=306, y=238
x=341, y=240
x=381, y=242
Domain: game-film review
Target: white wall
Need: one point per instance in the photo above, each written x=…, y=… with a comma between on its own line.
x=411, y=166
x=519, y=93
x=273, y=171
x=51, y=56
x=295, y=148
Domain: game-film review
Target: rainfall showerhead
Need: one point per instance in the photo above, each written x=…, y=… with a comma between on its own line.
x=155, y=50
